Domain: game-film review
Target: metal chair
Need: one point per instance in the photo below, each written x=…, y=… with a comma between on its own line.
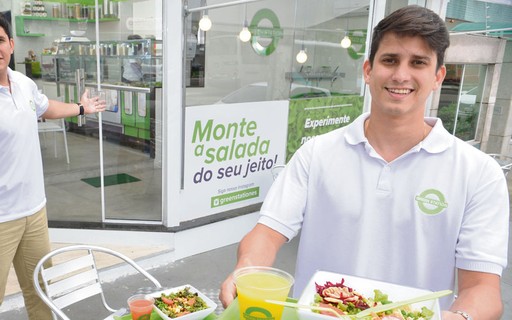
x=504, y=161
x=57, y=125
x=76, y=278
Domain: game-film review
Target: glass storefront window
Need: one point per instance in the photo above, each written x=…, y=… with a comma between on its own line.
x=460, y=102
x=123, y=144
x=223, y=69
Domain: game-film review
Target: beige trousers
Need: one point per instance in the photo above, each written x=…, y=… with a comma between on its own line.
x=23, y=243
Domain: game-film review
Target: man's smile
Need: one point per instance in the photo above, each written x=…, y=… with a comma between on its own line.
x=403, y=91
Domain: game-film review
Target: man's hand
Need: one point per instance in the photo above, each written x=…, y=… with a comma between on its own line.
x=258, y=248
x=93, y=104
x=227, y=291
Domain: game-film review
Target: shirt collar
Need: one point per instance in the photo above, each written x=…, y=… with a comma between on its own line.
x=11, y=75
x=8, y=78
x=436, y=141
x=355, y=131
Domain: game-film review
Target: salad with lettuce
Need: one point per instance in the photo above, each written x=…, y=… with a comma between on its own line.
x=346, y=301
x=180, y=303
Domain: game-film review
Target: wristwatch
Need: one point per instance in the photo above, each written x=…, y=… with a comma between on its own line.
x=81, y=109
x=463, y=314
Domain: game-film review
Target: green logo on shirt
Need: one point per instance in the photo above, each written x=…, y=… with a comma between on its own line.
x=431, y=201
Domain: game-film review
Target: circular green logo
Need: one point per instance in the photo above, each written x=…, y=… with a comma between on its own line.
x=257, y=313
x=358, y=38
x=261, y=34
x=431, y=201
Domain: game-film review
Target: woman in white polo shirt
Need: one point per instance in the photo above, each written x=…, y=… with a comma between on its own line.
x=23, y=223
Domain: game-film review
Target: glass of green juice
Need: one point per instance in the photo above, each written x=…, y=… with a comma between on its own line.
x=254, y=285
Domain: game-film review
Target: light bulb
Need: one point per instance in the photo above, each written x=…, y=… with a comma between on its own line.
x=245, y=34
x=301, y=56
x=346, y=42
x=205, y=23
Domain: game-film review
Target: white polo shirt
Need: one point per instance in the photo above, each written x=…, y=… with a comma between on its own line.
x=21, y=168
x=444, y=204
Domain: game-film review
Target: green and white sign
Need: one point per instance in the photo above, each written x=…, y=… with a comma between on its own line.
x=311, y=117
x=230, y=150
x=262, y=34
x=358, y=44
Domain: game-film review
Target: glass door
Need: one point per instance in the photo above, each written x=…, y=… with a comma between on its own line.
x=114, y=170
x=63, y=35
x=131, y=78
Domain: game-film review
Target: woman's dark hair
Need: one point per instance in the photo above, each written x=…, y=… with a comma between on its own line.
x=4, y=24
x=413, y=21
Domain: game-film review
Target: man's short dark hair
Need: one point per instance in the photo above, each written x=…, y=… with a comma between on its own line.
x=413, y=21
x=4, y=24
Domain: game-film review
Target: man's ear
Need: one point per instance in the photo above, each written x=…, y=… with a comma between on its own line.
x=367, y=68
x=440, y=74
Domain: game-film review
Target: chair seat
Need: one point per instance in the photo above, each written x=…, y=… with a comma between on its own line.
x=48, y=126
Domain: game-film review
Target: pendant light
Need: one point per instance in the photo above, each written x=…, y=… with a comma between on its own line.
x=205, y=23
x=346, y=42
x=245, y=35
x=302, y=56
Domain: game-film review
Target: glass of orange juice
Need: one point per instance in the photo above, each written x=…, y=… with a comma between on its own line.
x=254, y=285
x=141, y=306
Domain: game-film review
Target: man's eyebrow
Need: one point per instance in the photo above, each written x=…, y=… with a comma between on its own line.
x=421, y=57
x=390, y=55
x=414, y=56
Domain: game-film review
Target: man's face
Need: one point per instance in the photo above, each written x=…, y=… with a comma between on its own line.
x=403, y=75
x=6, y=49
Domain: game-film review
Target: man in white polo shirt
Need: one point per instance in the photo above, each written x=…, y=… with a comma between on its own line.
x=23, y=223
x=393, y=196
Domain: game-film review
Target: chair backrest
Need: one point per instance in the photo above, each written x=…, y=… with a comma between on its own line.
x=51, y=125
x=54, y=125
x=75, y=279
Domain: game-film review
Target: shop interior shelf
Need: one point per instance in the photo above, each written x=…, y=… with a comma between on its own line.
x=20, y=23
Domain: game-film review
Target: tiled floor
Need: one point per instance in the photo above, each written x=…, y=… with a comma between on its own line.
x=71, y=199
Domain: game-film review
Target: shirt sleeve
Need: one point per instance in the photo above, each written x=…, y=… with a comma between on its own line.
x=285, y=203
x=483, y=238
x=40, y=100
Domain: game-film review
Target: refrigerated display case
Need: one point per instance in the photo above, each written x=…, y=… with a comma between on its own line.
x=130, y=74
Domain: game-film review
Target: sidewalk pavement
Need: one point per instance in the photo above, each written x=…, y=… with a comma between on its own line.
x=205, y=271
